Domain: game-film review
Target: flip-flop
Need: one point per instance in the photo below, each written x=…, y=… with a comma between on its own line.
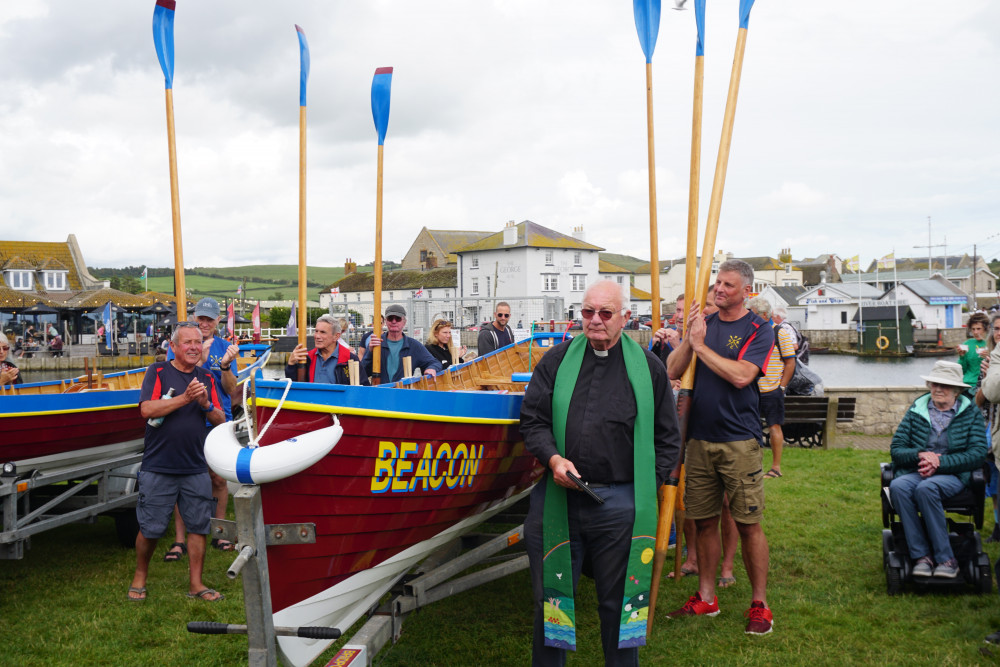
x=772, y=474
x=685, y=572
x=205, y=594
x=171, y=555
x=141, y=591
x=223, y=545
x=725, y=582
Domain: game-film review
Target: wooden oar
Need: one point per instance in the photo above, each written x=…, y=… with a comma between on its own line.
x=647, y=25
x=715, y=204
x=381, y=91
x=303, y=79
x=690, y=270
x=163, y=40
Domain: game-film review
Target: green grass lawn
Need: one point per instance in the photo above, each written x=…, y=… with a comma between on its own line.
x=226, y=287
x=64, y=604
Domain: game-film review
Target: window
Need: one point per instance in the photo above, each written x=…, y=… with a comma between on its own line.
x=621, y=280
x=550, y=282
x=55, y=280
x=548, y=258
x=577, y=259
x=391, y=297
x=475, y=262
x=447, y=293
x=423, y=256
x=579, y=281
x=487, y=285
x=475, y=285
x=359, y=297
x=19, y=279
x=843, y=317
x=430, y=294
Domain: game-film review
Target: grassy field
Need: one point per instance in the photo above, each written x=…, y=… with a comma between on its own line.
x=225, y=287
x=64, y=604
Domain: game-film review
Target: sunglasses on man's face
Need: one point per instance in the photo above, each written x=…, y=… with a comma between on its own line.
x=503, y=315
x=394, y=318
x=5, y=348
x=588, y=313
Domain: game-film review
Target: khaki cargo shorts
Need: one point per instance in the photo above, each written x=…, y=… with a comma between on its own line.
x=712, y=468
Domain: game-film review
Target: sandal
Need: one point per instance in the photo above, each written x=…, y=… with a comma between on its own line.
x=138, y=591
x=772, y=474
x=223, y=545
x=172, y=556
x=206, y=594
x=725, y=582
x=685, y=572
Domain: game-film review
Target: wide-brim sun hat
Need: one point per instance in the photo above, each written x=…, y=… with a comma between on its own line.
x=946, y=372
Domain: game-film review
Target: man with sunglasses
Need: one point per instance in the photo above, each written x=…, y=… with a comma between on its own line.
x=395, y=345
x=600, y=408
x=498, y=334
x=724, y=437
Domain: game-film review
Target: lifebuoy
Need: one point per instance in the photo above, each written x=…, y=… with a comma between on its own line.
x=882, y=342
x=258, y=465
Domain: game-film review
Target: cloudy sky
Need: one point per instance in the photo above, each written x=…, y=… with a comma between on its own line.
x=856, y=121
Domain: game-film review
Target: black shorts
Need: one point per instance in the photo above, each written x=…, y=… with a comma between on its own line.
x=772, y=407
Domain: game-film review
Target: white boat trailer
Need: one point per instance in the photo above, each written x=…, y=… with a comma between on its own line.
x=430, y=581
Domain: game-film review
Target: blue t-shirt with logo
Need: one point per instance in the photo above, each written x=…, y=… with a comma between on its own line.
x=720, y=412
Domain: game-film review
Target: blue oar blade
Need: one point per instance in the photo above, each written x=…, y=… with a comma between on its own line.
x=745, y=7
x=304, y=65
x=163, y=38
x=647, y=24
x=381, y=89
x=699, y=19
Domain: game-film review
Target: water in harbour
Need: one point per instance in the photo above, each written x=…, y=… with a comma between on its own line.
x=837, y=370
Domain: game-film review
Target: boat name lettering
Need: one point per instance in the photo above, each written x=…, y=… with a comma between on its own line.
x=402, y=467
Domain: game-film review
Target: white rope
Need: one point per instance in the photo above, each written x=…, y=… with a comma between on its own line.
x=255, y=442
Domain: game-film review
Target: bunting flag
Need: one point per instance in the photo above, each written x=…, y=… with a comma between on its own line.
x=231, y=320
x=888, y=262
x=256, y=323
x=293, y=329
x=853, y=264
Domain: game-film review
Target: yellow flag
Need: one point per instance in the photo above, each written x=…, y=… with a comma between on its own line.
x=854, y=263
x=888, y=262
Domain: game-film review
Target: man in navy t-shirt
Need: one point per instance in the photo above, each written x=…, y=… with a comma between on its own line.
x=174, y=471
x=723, y=453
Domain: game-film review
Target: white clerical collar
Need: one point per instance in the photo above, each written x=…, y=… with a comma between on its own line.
x=600, y=353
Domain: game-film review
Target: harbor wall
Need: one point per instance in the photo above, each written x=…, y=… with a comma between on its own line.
x=879, y=409
x=845, y=340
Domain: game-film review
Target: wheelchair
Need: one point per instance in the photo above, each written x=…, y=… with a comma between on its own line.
x=973, y=562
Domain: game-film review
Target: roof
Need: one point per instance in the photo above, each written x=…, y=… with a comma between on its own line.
x=99, y=297
x=930, y=287
x=641, y=295
x=628, y=262
x=452, y=240
x=848, y=289
x=41, y=255
x=401, y=280
x=14, y=299
x=608, y=267
x=901, y=276
x=530, y=235
x=790, y=295
x=763, y=263
x=884, y=313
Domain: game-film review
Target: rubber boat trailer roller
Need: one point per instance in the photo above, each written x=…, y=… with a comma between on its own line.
x=433, y=582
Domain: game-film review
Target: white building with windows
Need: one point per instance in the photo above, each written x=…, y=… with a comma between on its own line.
x=526, y=259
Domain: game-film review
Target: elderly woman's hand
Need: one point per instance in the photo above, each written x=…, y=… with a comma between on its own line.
x=929, y=463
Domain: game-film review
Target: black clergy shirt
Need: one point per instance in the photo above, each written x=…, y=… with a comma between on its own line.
x=601, y=419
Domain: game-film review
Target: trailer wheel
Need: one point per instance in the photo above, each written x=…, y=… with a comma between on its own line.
x=127, y=528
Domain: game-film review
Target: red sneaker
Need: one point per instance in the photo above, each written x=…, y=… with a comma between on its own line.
x=695, y=606
x=761, y=620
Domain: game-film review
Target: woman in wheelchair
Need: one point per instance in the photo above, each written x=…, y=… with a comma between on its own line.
x=937, y=445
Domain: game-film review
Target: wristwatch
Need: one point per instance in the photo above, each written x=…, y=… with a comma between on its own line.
x=225, y=368
x=782, y=388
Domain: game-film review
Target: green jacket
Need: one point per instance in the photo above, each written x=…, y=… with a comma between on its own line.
x=967, y=444
x=971, y=361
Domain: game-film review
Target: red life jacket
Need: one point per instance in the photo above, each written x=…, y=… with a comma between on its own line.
x=343, y=356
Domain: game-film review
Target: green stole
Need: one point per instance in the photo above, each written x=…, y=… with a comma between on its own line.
x=558, y=606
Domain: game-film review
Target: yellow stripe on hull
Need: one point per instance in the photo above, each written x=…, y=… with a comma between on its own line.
x=385, y=414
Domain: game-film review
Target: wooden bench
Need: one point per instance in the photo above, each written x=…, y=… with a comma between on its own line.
x=811, y=421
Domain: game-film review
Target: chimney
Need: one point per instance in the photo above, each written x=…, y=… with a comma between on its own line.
x=578, y=234
x=350, y=267
x=510, y=233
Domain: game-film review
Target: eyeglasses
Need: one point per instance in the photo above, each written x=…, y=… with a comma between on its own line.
x=394, y=318
x=5, y=348
x=503, y=315
x=588, y=313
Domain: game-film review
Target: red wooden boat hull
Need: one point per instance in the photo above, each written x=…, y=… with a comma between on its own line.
x=387, y=485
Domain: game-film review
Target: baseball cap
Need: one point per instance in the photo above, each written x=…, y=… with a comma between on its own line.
x=395, y=309
x=207, y=307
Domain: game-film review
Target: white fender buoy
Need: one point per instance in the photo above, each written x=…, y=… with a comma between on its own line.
x=258, y=465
